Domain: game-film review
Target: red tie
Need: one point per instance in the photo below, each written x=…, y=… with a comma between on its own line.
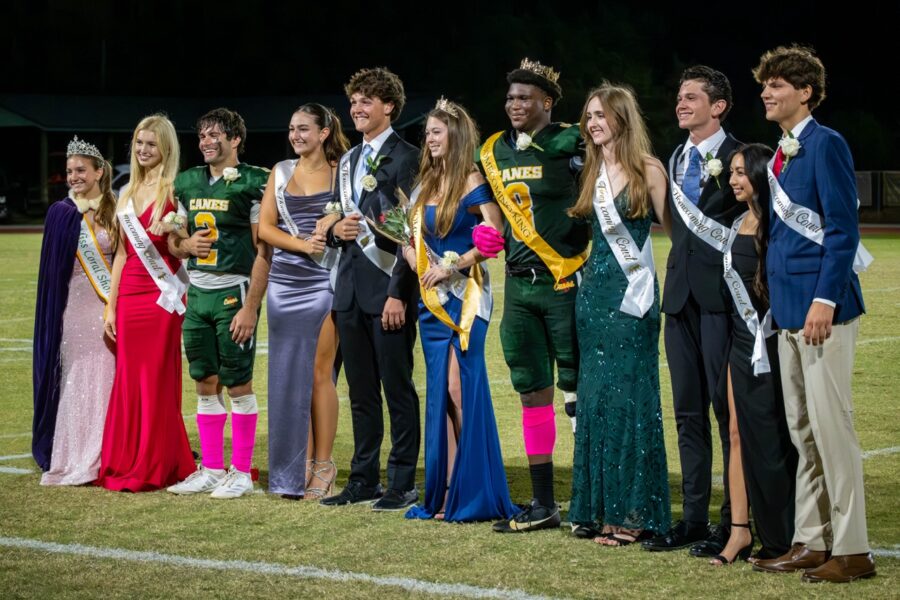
x=779, y=162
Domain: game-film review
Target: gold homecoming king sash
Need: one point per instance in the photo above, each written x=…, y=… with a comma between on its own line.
x=431, y=297
x=521, y=225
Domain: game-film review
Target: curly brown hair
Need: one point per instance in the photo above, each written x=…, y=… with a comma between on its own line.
x=381, y=83
x=798, y=65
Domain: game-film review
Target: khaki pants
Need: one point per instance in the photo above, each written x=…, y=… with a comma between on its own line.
x=830, y=502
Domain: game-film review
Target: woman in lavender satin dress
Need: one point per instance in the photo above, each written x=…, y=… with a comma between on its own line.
x=302, y=336
x=74, y=362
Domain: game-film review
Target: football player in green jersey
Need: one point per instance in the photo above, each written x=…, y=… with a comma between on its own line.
x=532, y=169
x=229, y=268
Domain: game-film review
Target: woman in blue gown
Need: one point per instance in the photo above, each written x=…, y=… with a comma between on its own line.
x=464, y=475
x=620, y=488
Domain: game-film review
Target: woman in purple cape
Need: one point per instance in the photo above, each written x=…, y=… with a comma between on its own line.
x=74, y=363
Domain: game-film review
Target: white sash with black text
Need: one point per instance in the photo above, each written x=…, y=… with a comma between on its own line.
x=283, y=173
x=172, y=286
x=366, y=239
x=636, y=264
x=744, y=306
x=806, y=221
x=709, y=230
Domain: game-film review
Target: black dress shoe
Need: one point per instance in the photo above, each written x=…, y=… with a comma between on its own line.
x=354, y=493
x=714, y=544
x=682, y=535
x=396, y=500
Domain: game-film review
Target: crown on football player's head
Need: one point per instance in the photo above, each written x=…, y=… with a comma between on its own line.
x=447, y=106
x=82, y=148
x=545, y=71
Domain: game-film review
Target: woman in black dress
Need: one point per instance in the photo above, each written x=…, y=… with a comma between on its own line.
x=763, y=463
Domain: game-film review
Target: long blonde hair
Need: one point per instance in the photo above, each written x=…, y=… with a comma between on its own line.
x=167, y=142
x=451, y=170
x=632, y=148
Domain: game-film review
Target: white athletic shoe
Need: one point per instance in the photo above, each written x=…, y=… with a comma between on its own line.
x=235, y=485
x=200, y=481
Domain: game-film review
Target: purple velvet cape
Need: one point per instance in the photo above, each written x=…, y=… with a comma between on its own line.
x=61, y=229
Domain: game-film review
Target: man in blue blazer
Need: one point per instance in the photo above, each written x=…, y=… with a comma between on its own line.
x=816, y=303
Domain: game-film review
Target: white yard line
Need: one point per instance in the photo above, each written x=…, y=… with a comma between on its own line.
x=880, y=340
x=15, y=471
x=265, y=568
x=5, y=436
x=880, y=452
x=14, y=457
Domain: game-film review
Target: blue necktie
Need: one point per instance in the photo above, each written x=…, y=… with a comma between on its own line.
x=691, y=181
x=361, y=170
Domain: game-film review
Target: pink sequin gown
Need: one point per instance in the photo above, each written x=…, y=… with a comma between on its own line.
x=88, y=366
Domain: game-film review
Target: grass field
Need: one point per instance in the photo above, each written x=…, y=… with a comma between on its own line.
x=361, y=550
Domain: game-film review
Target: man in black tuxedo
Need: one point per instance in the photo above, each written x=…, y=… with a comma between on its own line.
x=697, y=304
x=375, y=298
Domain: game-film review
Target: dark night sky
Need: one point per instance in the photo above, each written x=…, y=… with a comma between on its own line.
x=460, y=49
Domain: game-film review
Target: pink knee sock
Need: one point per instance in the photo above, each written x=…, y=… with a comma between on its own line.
x=539, y=429
x=212, y=429
x=243, y=431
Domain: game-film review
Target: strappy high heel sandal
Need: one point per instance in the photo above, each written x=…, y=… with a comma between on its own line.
x=317, y=492
x=743, y=553
x=309, y=471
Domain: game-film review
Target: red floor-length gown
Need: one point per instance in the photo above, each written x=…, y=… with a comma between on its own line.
x=145, y=445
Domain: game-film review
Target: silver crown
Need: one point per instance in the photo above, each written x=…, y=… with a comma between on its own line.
x=82, y=148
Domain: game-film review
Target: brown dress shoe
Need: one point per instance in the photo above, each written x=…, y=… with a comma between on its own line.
x=797, y=558
x=843, y=569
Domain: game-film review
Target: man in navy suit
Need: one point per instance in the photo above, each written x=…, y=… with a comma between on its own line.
x=816, y=303
x=698, y=305
x=375, y=298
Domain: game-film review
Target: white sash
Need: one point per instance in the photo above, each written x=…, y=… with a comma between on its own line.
x=636, y=265
x=171, y=286
x=808, y=222
x=283, y=173
x=366, y=239
x=744, y=307
x=93, y=261
x=709, y=230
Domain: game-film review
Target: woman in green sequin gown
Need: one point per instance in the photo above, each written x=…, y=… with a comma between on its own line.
x=620, y=486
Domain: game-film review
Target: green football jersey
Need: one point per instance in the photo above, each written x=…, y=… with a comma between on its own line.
x=544, y=186
x=223, y=207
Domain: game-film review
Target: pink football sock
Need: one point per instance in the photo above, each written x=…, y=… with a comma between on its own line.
x=243, y=438
x=539, y=429
x=212, y=430
x=244, y=414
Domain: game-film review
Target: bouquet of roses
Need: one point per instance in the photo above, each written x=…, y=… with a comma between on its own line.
x=392, y=222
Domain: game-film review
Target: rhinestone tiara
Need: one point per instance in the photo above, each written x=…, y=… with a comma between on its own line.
x=446, y=106
x=82, y=148
x=544, y=71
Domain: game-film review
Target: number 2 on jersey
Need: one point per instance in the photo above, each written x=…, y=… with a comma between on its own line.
x=208, y=220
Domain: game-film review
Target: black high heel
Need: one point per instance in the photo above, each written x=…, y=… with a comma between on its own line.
x=743, y=553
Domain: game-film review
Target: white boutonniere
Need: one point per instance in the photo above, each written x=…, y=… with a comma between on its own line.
x=790, y=146
x=333, y=208
x=230, y=174
x=175, y=220
x=449, y=261
x=714, y=168
x=524, y=141
x=369, y=182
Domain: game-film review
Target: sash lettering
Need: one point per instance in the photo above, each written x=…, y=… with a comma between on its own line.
x=559, y=266
x=93, y=261
x=636, y=263
x=283, y=173
x=807, y=222
x=366, y=239
x=171, y=286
